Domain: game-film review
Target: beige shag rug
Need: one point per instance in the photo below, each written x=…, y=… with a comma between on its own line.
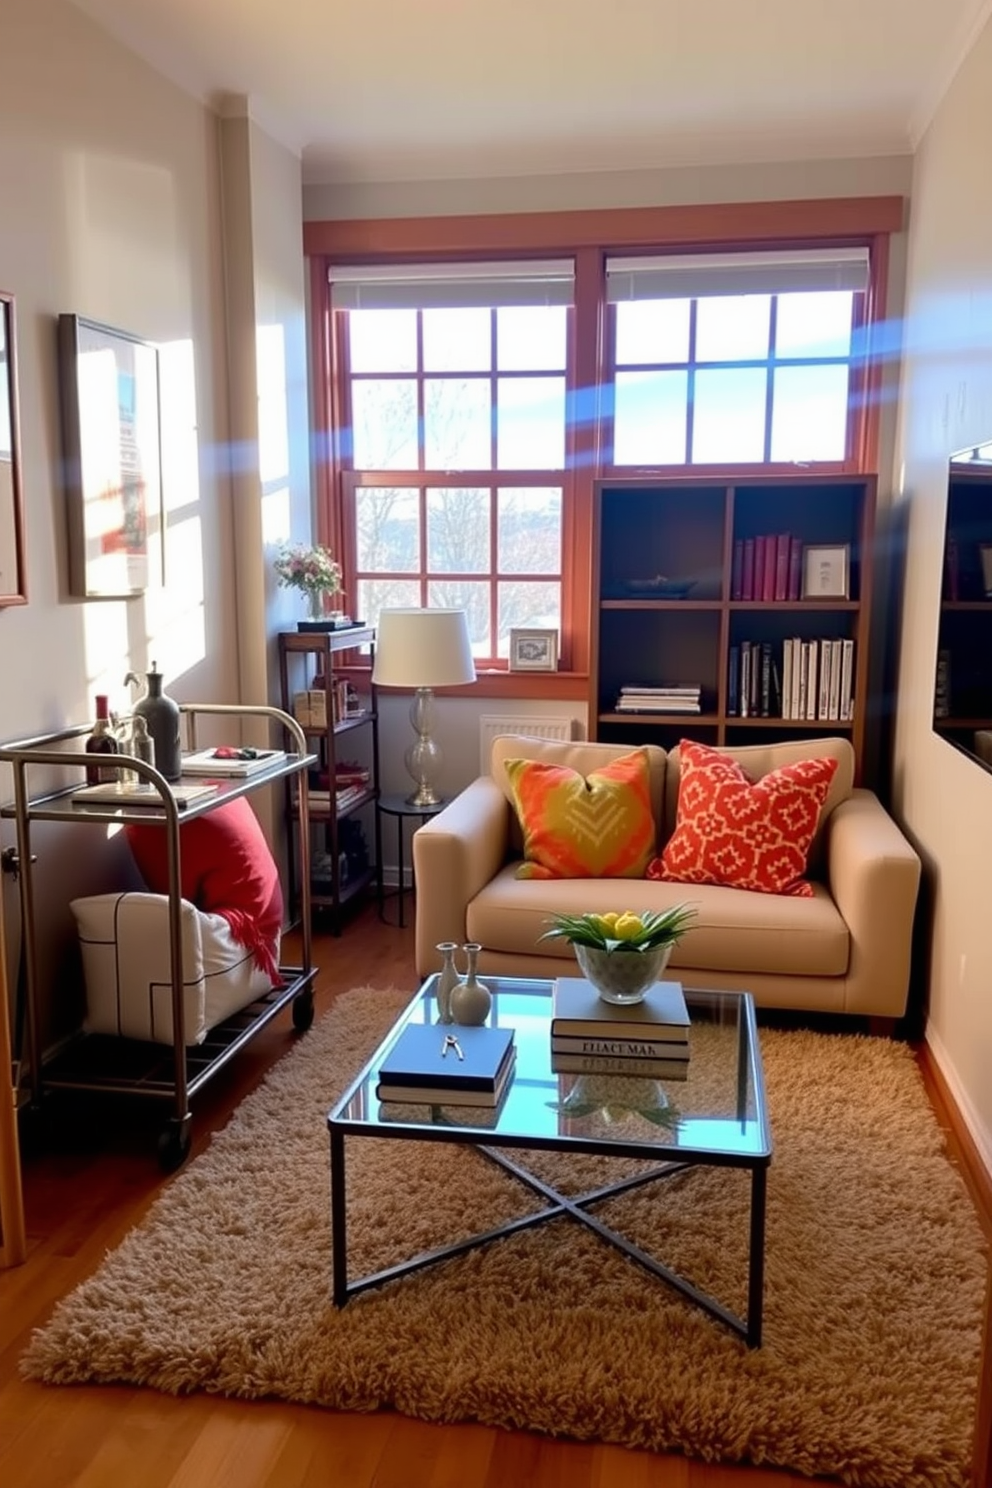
x=874, y=1279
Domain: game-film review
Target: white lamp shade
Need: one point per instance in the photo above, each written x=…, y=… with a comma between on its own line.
x=422, y=648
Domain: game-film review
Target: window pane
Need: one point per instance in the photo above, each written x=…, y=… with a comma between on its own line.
x=383, y=340
x=813, y=325
x=529, y=530
x=652, y=331
x=380, y=594
x=809, y=413
x=531, y=423
x=650, y=418
x=457, y=340
x=474, y=600
x=456, y=424
x=531, y=337
x=458, y=530
x=729, y=416
x=385, y=432
x=527, y=604
x=731, y=328
x=387, y=522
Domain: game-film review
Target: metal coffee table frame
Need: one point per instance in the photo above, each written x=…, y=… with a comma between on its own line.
x=343, y=1122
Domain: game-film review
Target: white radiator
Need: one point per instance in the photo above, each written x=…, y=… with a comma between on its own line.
x=491, y=725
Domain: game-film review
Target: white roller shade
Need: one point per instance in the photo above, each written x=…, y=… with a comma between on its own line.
x=686, y=276
x=451, y=286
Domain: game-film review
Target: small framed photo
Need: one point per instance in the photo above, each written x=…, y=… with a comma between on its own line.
x=826, y=572
x=533, y=650
x=985, y=558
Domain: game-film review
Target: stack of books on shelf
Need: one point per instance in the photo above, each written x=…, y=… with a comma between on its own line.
x=590, y=1036
x=635, y=699
x=351, y=783
x=447, y=1064
x=767, y=568
x=795, y=679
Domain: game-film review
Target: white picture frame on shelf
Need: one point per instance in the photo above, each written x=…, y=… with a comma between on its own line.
x=533, y=650
x=827, y=571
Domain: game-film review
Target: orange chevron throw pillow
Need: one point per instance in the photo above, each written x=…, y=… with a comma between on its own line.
x=743, y=833
x=600, y=826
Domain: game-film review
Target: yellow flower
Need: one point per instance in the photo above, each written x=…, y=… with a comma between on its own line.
x=627, y=926
x=607, y=922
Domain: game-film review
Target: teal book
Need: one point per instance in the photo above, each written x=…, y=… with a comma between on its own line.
x=447, y=1056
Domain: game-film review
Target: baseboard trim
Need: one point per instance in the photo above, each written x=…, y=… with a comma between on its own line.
x=962, y=1142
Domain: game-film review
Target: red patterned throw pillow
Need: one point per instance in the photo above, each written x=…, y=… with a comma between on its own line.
x=743, y=833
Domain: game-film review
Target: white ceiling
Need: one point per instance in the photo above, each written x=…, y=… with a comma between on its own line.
x=405, y=90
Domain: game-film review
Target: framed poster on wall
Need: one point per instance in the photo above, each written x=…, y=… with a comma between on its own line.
x=111, y=456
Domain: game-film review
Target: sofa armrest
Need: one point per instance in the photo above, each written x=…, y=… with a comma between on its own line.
x=455, y=854
x=874, y=874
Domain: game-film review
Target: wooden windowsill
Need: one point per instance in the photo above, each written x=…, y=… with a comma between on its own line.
x=563, y=686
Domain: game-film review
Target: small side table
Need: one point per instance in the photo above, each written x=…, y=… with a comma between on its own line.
x=401, y=809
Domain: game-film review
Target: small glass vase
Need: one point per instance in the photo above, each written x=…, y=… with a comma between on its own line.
x=447, y=980
x=315, y=604
x=471, y=1000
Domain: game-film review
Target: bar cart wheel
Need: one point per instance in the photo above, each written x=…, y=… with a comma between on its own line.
x=174, y=1143
x=303, y=1010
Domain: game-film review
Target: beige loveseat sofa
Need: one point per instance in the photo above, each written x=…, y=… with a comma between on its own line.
x=845, y=950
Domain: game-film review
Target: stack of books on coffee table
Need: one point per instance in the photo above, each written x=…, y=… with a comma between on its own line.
x=447, y=1064
x=589, y=1035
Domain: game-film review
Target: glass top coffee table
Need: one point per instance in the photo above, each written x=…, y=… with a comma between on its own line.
x=716, y=1117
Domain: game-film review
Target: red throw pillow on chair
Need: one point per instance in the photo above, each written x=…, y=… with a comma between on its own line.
x=226, y=868
x=743, y=833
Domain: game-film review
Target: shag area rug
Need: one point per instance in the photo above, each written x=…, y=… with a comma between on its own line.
x=874, y=1278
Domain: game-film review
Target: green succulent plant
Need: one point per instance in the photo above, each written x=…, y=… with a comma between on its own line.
x=623, y=932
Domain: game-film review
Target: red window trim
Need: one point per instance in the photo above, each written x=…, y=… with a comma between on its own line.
x=589, y=237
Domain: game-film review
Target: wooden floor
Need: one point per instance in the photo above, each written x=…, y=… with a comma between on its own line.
x=94, y=1182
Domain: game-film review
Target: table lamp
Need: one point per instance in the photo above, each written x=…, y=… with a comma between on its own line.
x=423, y=649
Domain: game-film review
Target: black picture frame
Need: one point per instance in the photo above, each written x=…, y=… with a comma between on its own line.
x=13, y=571
x=112, y=456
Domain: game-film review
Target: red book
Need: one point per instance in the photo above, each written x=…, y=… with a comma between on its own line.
x=747, y=579
x=782, y=566
x=768, y=585
x=760, y=548
x=795, y=567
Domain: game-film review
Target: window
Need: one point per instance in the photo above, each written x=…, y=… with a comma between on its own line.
x=734, y=359
x=454, y=440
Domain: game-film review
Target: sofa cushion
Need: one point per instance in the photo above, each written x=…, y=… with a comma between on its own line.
x=577, y=826
x=582, y=757
x=737, y=931
x=756, y=760
x=740, y=833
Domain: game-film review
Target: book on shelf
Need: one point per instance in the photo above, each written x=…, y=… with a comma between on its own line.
x=627, y=1046
x=141, y=794
x=578, y=1011
x=687, y=690
x=447, y=1056
x=635, y=704
x=398, y=1092
x=230, y=760
x=628, y=1067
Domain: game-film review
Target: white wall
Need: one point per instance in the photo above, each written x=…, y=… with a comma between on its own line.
x=944, y=799
x=111, y=209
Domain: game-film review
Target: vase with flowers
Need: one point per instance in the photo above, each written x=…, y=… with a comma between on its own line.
x=623, y=955
x=315, y=572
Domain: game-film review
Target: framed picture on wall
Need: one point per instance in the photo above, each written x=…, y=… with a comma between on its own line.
x=111, y=444
x=533, y=650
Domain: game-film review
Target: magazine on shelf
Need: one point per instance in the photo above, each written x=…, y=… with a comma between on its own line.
x=228, y=760
x=141, y=794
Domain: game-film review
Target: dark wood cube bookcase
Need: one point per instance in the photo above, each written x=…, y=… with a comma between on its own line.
x=667, y=563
